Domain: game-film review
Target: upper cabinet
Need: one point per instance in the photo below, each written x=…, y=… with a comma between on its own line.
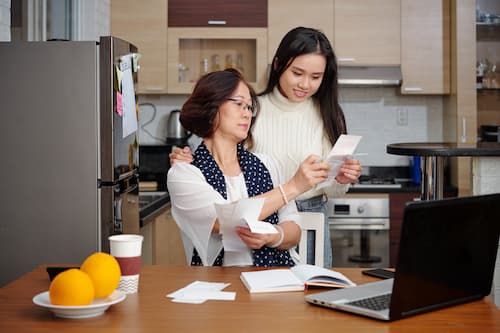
x=144, y=24
x=202, y=13
x=367, y=32
x=425, y=46
x=315, y=14
x=206, y=36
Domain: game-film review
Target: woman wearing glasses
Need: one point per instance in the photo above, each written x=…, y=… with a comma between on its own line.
x=301, y=115
x=222, y=110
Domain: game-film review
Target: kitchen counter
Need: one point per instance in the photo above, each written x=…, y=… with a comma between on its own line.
x=151, y=204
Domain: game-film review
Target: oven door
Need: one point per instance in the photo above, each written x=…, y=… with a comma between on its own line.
x=360, y=242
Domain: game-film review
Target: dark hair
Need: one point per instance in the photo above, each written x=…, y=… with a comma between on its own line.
x=199, y=111
x=300, y=41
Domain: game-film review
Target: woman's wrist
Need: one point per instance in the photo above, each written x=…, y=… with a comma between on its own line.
x=280, y=239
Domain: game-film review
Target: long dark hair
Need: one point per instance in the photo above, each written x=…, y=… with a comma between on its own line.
x=300, y=41
x=202, y=107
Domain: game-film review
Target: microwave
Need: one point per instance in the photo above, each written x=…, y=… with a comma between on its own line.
x=154, y=164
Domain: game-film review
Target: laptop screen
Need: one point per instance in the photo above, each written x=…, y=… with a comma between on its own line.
x=447, y=253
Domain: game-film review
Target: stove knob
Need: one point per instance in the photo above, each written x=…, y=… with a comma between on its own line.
x=361, y=209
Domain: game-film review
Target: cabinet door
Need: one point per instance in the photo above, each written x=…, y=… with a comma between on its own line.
x=168, y=248
x=367, y=32
x=202, y=13
x=144, y=24
x=193, y=52
x=283, y=15
x=425, y=46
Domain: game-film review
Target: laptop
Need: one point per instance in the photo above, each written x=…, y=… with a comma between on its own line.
x=447, y=256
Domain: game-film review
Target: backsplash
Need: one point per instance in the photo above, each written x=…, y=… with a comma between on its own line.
x=380, y=115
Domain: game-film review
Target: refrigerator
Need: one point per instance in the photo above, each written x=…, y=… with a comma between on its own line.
x=69, y=160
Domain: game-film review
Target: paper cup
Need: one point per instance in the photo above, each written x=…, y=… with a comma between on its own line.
x=127, y=249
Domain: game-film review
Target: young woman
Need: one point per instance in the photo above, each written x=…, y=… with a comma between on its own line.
x=221, y=110
x=300, y=115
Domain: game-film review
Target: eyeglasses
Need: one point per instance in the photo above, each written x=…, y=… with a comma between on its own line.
x=244, y=106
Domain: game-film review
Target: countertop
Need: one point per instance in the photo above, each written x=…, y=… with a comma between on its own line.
x=150, y=204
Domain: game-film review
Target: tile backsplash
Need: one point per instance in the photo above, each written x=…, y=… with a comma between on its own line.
x=381, y=115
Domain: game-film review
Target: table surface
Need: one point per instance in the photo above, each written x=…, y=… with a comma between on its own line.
x=444, y=149
x=150, y=311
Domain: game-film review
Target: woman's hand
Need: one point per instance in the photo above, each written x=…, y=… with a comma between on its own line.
x=180, y=155
x=349, y=172
x=256, y=241
x=310, y=172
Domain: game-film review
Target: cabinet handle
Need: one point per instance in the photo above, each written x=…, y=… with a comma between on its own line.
x=346, y=59
x=413, y=89
x=154, y=88
x=464, y=130
x=216, y=22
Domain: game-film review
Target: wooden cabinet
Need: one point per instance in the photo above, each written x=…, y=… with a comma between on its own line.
x=144, y=24
x=316, y=14
x=195, y=51
x=425, y=46
x=201, y=13
x=367, y=32
x=168, y=248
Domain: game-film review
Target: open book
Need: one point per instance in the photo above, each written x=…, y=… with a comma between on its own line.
x=296, y=278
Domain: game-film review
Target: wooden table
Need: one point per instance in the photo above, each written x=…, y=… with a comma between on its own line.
x=150, y=311
x=432, y=163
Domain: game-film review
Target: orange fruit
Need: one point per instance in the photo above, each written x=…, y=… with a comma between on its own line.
x=71, y=287
x=104, y=271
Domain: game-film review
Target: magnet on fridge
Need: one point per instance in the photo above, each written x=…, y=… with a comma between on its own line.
x=118, y=79
x=119, y=103
x=135, y=61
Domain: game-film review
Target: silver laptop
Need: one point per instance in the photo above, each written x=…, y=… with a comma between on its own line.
x=446, y=256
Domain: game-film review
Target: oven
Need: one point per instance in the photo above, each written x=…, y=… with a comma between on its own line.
x=359, y=228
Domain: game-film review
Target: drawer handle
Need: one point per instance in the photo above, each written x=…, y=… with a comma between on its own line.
x=346, y=59
x=413, y=89
x=216, y=22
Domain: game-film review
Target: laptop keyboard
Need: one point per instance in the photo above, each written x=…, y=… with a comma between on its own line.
x=376, y=303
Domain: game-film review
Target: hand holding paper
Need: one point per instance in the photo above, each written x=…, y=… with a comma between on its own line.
x=342, y=150
x=242, y=213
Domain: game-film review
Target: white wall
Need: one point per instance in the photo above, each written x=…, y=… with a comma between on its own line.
x=370, y=112
x=5, y=20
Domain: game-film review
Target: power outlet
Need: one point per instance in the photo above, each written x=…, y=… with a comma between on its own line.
x=402, y=117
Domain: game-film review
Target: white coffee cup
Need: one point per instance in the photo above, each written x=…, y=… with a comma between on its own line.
x=127, y=249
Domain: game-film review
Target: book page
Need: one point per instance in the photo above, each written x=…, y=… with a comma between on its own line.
x=309, y=273
x=271, y=280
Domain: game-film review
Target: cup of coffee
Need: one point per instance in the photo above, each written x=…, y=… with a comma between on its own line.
x=127, y=249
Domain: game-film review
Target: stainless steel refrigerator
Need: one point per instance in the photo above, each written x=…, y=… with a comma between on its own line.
x=69, y=175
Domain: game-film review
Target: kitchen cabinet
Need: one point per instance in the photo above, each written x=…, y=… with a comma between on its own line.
x=317, y=14
x=144, y=23
x=367, y=32
x=425, y=46
x=193, y=52
x=202, y=13
x=168, y=248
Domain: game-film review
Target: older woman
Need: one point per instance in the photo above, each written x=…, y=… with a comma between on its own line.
x=221, y=110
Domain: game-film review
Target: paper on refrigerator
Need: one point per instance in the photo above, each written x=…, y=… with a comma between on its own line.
x=342, y=150
x=244, y=212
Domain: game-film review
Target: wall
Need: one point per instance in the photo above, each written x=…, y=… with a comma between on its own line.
x=95, y=20
x=370, y=112
x=5, y=20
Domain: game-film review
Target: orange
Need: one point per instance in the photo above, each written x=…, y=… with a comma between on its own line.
x=71, y=287
x=104, y=271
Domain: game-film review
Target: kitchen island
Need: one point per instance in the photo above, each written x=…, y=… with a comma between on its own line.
x=150, y=311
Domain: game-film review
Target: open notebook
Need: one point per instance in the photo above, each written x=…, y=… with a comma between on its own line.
x=446, y=256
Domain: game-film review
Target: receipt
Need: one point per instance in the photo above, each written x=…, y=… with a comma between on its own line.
x=342, y=150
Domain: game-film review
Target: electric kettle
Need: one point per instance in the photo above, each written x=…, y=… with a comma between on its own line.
x=176, y=134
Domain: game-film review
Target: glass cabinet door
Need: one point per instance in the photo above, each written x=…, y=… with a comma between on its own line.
x=193, y=52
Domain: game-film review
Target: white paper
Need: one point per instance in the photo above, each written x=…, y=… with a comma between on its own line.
x=342, y=150
x=244, y=212
x=198, y=292
x=129, y=119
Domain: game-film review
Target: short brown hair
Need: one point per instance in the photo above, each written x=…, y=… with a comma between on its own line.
x=199, y=111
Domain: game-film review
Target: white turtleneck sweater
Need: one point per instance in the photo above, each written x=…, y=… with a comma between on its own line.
x=289, y=132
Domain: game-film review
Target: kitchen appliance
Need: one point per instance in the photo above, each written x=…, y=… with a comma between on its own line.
x=176, y=134
x=359, y=229
x=490, y=133
x=70, y=168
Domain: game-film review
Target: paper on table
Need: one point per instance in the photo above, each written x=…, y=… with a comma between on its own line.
x=343, y=149
x=241, y=213
x=199, y=291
